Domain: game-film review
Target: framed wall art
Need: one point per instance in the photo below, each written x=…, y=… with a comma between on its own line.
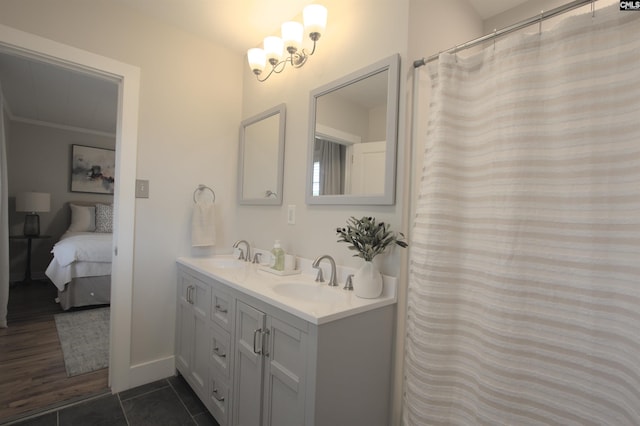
x=92, y=169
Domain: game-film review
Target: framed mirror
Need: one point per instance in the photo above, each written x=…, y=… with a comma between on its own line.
x=353, y=136
x=261, y=158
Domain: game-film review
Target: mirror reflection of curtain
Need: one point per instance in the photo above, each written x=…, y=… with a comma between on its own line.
x=331, y=158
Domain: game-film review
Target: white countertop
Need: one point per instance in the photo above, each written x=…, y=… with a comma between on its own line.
x=318, y=303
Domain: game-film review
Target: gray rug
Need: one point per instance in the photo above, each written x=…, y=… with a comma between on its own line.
x=84, y=337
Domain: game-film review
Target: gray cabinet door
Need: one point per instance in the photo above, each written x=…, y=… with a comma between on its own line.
x=285, y=374
x=201, y=302
x=192, y=340
x=184, y=327
x=249, y=365
x=200, y=363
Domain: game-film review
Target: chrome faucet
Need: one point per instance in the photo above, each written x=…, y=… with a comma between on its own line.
x=246, y=256
x=349, y=284
x=319, y=277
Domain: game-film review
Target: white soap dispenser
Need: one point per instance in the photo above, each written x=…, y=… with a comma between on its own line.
x=277, y=257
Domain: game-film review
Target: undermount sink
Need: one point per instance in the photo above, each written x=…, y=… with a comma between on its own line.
x=309, y=292
x=226, y=262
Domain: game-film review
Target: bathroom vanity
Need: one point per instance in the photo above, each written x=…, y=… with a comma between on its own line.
x=261, y=349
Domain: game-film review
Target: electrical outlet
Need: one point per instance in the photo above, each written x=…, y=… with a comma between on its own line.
x=291, y=214
x=142, y=188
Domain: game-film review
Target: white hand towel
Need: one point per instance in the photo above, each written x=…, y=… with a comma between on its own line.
x=203, y=230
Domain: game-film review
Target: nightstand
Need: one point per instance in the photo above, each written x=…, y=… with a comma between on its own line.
x=29, y=238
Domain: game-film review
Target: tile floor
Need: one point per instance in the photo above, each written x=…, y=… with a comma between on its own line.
x=165, y=402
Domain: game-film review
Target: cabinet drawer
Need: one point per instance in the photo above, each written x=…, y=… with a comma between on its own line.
x=218, y=400
x=184, y=288
x=220, y=350
x=195, y=293
x=221, y=309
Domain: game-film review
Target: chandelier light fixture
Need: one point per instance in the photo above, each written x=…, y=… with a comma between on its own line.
x=278, y=51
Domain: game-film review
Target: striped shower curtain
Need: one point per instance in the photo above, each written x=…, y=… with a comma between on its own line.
x=524, y=289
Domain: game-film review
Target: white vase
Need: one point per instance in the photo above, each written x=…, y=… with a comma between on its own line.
x=367, y=281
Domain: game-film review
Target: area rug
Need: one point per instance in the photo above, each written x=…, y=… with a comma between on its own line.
x=84, y=337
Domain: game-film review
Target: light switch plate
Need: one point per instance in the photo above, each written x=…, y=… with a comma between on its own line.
x=291, y=214
x=142, y=188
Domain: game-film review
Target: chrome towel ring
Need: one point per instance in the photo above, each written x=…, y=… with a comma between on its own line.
x=201, y=188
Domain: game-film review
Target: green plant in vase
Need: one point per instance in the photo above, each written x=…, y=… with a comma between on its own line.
x=368, y=239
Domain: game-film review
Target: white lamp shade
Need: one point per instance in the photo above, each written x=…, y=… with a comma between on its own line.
x=273, y=48
x=33, y=202
x=315, y=19
x=292, y=36
x=257, y=59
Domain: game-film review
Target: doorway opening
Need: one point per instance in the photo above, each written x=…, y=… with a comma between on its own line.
x=127, y=78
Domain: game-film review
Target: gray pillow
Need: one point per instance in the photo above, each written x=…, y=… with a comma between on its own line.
x=104, y=218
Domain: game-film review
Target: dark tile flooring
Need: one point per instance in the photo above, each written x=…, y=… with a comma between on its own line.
x=165, y=402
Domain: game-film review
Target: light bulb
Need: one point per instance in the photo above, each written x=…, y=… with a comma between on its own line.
x=273, y=48
x=292, y=36
x=315, y=20
x=257, y=60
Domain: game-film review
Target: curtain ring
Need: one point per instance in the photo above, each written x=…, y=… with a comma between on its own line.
x=540, y=22
x=495, y=30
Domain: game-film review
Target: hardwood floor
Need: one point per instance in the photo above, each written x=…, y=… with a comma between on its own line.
x=32, y=372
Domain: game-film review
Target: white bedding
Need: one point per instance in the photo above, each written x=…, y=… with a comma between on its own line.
x=80, y=254
x=83, y=246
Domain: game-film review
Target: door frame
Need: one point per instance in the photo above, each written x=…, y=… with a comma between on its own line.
x=128, y=79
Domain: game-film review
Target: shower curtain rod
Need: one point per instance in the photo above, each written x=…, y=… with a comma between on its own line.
x=515, y=27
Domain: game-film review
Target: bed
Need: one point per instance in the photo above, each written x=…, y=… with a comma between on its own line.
x=81, y=265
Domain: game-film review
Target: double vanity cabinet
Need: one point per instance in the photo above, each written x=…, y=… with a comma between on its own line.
x=259, y=349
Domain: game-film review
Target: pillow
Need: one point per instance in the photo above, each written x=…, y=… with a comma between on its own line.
x=104, y=218
x=83, y=218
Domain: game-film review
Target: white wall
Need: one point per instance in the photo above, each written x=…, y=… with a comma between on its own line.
x=377, y=124
x=188, y=130
x=342, y=114
x=39, y=159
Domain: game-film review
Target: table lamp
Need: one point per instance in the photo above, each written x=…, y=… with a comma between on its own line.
x=32, y=202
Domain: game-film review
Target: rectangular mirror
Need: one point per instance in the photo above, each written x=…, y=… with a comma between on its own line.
x=261, y=157
x=353, y=130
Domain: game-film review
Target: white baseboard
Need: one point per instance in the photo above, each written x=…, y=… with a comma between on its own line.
x=147, y=372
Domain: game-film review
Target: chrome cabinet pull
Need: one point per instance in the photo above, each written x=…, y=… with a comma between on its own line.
x=217, y=398
x=189, y=295
x=256, y=333
x=216, y=351
x=221, y=309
